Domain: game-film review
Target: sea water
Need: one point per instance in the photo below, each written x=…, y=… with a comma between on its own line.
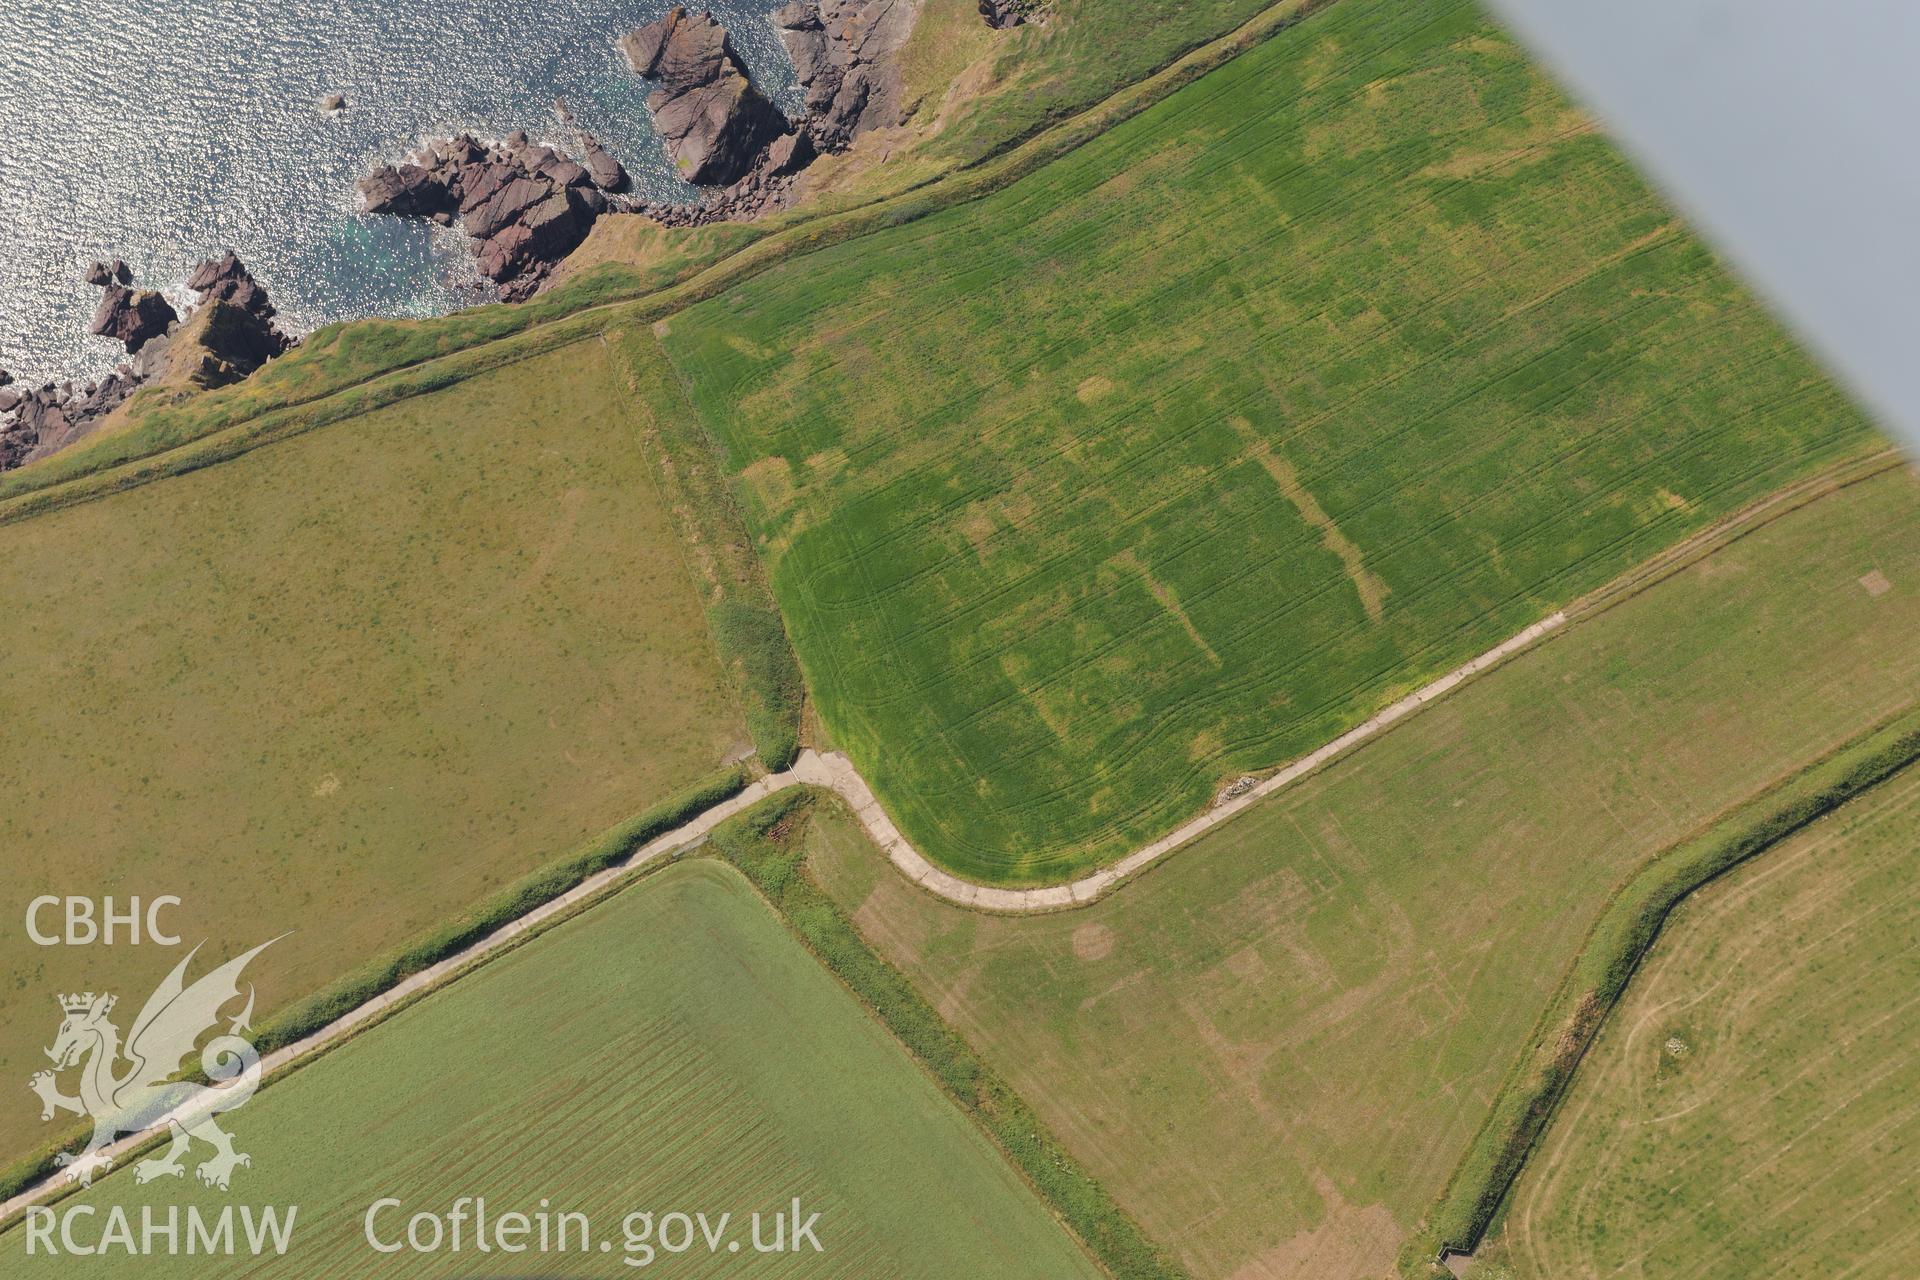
x=167, y=131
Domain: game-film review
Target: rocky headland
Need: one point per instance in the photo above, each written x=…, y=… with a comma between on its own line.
x=844, y=54
x=227, y=335
x=714, y=120
x=845, y=60
x=1001, y=14
x=231, y=332
x=526, y=205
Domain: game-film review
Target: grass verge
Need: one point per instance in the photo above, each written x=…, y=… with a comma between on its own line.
x=1618, y=942
x=762, y=843
x=749, y=636
x=609, y=848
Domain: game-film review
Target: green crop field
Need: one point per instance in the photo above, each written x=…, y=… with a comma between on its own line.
x=349, y=684
x=1273, y=1048
x=621, y=1065
x=1041, y=71
x=973, y=94
x=1751, y=1107
x=1178, y=456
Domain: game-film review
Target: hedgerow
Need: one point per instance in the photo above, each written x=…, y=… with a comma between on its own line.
x=1618, y=943
x=752, y=641
x=764, y=844
x=605, y=850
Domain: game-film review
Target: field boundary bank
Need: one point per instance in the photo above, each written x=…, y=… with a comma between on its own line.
x=818, y=230
x=638, y=844
x=366, y=995
x=744, y=623
x=838, y=773
x=1080, y=1202
x=1622, y=935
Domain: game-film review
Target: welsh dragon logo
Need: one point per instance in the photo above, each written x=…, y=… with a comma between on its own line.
x=144, y=1094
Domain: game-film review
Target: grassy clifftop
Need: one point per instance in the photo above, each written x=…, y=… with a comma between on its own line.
x=348, y=369
x=354, y=685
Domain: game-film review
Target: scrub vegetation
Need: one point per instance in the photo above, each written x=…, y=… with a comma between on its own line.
x=748, y=634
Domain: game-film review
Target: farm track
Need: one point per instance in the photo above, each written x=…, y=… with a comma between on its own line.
x=953, y=538
x=810, y=232
x=835, y=772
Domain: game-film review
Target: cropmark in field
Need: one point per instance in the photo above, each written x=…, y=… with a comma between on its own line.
x=1750, y=1108
x=1275, y=1048
x=1185, y=452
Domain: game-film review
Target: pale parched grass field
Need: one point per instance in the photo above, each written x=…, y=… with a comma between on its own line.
x=622, y=1064
x=346, y=685
x=1274, y=1047
x=1753, y=1107
x=1188, y=451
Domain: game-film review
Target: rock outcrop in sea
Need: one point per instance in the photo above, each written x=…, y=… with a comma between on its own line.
x=525, y=205
x=133, y=317
x=102, y=274
x=708, y=111
x=228, y=335
x=843, y=55
x=607, y=173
